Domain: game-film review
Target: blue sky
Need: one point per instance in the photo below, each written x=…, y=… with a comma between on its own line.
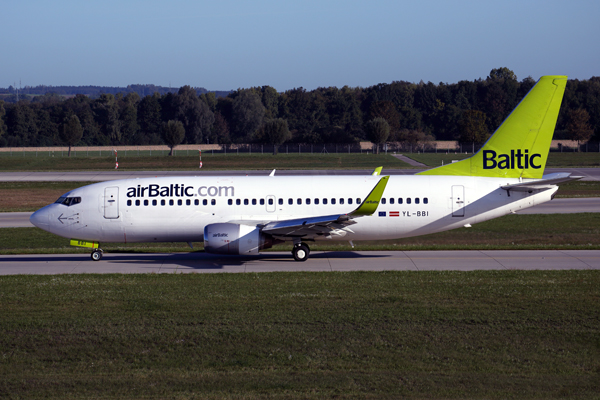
x=222, y=45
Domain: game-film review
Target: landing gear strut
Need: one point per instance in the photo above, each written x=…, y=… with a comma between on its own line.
x=97, y=254
x=301, y=252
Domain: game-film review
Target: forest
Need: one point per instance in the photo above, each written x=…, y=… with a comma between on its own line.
x=467, y=111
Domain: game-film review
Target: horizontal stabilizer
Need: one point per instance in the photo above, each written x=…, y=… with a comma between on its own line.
x=546, y=182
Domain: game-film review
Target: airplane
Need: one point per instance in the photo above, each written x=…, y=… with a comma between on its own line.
x=243, y=215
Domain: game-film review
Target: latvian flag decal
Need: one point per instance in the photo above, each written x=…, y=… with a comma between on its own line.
x=394, y=213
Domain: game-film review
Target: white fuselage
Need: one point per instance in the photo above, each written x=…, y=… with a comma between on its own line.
x=176, y=209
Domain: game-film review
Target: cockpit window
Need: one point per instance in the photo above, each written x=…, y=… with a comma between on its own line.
x=68, y=201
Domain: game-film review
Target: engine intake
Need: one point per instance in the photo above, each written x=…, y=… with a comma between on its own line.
x=228, y=238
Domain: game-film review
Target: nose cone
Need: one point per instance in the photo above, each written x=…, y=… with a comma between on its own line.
x=40, y=218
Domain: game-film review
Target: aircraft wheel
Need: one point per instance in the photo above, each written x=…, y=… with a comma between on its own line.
x=97, y=255
x=301, y=252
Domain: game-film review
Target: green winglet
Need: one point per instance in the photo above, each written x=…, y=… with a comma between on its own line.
x=370, y=204
x=377, y=171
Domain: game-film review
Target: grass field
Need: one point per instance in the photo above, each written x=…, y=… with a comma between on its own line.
x=132, y=161
x=28, y=162
x=514, y=232
x=555, y=160
x=434, y=335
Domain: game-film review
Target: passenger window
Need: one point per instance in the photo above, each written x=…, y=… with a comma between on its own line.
x=230, y=202
x=317, y=201
x=271, y=202
x=246, y=202
x=324, y=201
x=308, y=201
x=408, y=200
x=280, y=201
x=349, y=200
x=128, y=202
x=196, y=202
x=417, y=200
x=204, y=202
x=262, y=202
x=154, y=202
x=332, y=201
x=425, y=200
x=145, y=202
x=299, y=201
x=188, y=202
x=391, y=200
x=162, y=202
x=238, y=202
x=383, y=200
x=290, y=202
x=358, y=201
x=342, y=201
x=254, y=202
x=171, y=202
x=179, y=202
x=399, y=200
x=137, y=202
x=213, y=202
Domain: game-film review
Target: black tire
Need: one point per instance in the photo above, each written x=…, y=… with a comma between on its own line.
x=301, y=252
x=96, y=255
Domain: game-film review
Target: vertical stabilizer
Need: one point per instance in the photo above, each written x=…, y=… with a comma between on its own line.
x=520, y=146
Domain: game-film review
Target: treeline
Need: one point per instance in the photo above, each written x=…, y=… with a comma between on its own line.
x=399, y=111
x=30, y=93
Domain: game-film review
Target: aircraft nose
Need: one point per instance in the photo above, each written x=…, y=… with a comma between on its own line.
x=40, y=218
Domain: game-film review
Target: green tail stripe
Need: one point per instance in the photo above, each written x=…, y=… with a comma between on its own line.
x=520, y=146
x=370, y=204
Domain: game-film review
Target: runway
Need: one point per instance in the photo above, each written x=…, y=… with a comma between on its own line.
x=318, y=262
x=589, y=174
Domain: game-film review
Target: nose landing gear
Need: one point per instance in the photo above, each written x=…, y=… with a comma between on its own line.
x=97, y=254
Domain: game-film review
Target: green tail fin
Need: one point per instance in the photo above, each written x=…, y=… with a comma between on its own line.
x=520, y=146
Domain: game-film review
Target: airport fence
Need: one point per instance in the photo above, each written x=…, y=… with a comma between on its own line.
x=292, y=148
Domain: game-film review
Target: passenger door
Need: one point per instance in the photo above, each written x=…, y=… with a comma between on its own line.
x=111, y=202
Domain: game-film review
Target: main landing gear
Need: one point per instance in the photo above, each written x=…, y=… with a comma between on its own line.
x=97, y=254
x=301, y=252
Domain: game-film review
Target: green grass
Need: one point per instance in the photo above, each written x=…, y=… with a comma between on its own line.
x=28, y=162
x=555, y=160
x=551, y=231
x=435, y=335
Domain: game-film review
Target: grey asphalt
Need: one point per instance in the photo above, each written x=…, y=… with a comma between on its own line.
x=45, y=264
x=589, y=174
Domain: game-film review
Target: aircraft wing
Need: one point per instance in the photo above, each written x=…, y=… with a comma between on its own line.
x=545, y=183
x=327, y=224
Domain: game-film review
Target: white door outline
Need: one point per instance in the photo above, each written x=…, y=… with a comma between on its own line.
x=458, y=201
x=111, y=202
x=270, y=203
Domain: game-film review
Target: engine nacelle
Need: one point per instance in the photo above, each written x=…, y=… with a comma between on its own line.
x=227, y=238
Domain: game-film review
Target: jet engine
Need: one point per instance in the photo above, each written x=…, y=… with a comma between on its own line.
x=228, y=238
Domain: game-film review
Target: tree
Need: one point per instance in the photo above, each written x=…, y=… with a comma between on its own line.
x=276, y=132
x=71, y=131
x=578, y=126
x=247, y=115
x=472, y=127
x=194, y=113
x=502, y=74
x=2, y=114
x=377, y=131
x=173, y=133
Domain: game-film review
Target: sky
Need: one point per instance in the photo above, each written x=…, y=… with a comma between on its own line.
x=226, y=44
